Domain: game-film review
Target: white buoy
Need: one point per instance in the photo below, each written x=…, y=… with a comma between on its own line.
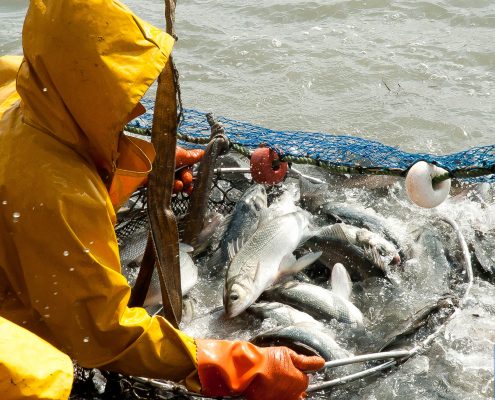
x=419, y=186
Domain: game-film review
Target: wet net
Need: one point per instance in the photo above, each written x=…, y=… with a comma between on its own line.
x=340, y=154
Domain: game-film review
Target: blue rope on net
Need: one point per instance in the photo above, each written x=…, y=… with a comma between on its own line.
x=342, y=154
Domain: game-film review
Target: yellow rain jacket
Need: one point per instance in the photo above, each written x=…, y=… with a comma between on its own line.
x=50, y=377
x=63, y=162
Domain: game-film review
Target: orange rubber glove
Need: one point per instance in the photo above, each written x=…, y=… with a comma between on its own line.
x=185, y=158
x=229, y=368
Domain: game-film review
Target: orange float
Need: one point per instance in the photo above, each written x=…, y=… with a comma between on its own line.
x=266, y=167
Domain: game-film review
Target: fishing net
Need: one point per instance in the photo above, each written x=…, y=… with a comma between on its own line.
x=340, y=154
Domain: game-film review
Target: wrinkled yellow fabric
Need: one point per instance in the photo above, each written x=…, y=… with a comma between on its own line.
x=31, y=368
x=9, y=65
x=86, y=65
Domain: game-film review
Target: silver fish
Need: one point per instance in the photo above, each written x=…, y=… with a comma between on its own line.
x=378, y=250
x=213, y=230
x=484, y=251
x=188, y=277
x=304, y=340
x=282, y=314
x=316, y=199
x=316, y=301
x=263, y=258
x=241, y=224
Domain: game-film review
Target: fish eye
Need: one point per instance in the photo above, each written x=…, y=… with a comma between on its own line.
x=234, y=296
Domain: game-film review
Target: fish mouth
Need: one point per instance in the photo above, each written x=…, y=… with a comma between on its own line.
x=395, y=260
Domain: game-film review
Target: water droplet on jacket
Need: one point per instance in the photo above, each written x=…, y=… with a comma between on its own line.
x=71, y=269
x=15, y=216
x=86, y=251
x=66, y=253
x=4, y=202
x=86, y=339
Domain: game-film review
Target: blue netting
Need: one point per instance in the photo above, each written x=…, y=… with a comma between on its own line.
x=333, y=150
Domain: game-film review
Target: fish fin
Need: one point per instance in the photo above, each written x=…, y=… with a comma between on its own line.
x=341, y=281
x=231, y=250
x=287, y=261
x=337, y=232
x=185, y=248
x=224, y=224
x=215, y=260
x=291, y=266
x=239, y=242
x=257, y=275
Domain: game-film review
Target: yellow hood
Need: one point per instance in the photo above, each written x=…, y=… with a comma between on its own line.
x=87, y=63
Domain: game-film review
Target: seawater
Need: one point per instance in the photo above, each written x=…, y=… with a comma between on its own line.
x=419, y=74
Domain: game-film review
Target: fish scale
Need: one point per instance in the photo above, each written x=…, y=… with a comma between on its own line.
x=261, y=243
x=256, y=264
x=314, y=300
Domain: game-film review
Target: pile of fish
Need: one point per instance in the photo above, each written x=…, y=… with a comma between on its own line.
x=312, y=269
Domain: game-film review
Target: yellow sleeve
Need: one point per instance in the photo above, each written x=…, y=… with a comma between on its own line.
x=70, y=262
x=30, y=368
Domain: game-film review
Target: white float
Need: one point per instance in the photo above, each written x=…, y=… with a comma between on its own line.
x=419, y=186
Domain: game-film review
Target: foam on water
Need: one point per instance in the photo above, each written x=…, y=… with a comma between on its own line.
x=458, y=365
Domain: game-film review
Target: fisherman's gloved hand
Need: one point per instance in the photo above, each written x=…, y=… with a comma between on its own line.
x=184, y=160
x=229, y=368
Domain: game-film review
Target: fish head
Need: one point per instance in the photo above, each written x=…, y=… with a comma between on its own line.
x=387, y=251
x=236, y=298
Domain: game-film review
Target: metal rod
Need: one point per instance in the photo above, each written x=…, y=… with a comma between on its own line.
x=232, y=170
x=351, y=377
x=309, y=178
x=292, y=171
x=367, y=357
x=171, y=387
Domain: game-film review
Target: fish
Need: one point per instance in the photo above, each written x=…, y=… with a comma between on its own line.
x=303, y=339
x=440, y=308
x=341, y=213
x=188, y=277
x=316, y=301
x=264, y=257
x=341, y=251
x=213, y=230
x=376, y=249
x=282, y=314
x=240, y=225
x=483, y=245
x=430, y=251
x=317, y=200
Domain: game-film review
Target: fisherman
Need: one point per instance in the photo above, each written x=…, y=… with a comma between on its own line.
x=65, y=167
